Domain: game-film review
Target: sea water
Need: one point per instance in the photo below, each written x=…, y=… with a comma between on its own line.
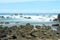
x=34, y=21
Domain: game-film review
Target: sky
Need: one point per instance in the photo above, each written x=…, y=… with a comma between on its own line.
x=29, y=6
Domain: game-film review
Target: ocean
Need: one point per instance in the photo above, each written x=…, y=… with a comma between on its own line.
x=36, y=19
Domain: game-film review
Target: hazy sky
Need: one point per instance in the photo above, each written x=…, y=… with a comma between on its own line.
x=29, y=6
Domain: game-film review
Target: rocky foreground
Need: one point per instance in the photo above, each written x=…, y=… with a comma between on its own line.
x=28, y=32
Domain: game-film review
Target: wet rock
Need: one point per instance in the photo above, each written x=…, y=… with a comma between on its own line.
x=6, y=22
x=23, y=35
x=42, y=37
x=34, y=34
x=1, y=22
x=3, y=35
x=38, y=27
x=21, y=26
x=5, y=39
x=25, y=17
x=26, y=32
x=28, y=28
x=21, y=16
x=28, y=36
x=57, y=33
x=55, y=25
x=55, y=19
x=14, y=37
x=16, y=14
x=44, y=33
x=59, y=17
x=29, y=18
x=1, y=26
x=2, y=31
x=27, y=24
x=2, y=17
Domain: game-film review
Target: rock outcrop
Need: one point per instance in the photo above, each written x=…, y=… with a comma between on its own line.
x=27, y=32
x=59, y=17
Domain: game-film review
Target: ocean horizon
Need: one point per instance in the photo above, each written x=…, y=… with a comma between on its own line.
x=30, y=13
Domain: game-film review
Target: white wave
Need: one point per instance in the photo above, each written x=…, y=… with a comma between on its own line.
x=41, y=18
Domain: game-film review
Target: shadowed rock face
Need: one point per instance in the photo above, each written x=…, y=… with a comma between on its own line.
x=59, y=17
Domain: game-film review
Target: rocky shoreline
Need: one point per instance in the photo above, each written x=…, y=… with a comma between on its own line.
x=27, y=32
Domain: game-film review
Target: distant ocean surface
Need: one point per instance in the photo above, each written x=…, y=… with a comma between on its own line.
x=30, y=13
